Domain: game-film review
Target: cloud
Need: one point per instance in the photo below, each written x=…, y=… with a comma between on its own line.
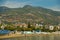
x=55, y=8
x=13, y=4
x=16, y=3
x=50, y=4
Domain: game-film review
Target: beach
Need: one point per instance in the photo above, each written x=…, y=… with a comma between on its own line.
x=26, y=35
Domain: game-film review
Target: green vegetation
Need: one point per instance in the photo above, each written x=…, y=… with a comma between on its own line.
x=29, y=28
x=29, y=13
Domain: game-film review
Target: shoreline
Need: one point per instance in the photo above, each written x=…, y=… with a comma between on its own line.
x=26, y=35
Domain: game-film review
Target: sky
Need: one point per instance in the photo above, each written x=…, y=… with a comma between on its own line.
x=50, y=4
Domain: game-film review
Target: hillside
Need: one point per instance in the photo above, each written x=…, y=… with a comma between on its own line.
x=29, y=14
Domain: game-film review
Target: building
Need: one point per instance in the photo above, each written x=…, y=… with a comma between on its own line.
x=2, y=27
x=38, y=25
x=23, y=25
x=46, y=26
x=51, y=27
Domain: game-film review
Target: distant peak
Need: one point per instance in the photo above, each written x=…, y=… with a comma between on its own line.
x=27, y=6
x=3, y=7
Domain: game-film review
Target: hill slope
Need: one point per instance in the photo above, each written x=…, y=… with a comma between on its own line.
x=29, y=13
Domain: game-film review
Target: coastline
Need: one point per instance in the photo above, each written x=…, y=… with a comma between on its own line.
x=26, y=35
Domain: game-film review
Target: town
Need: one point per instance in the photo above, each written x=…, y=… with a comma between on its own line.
x=29, y=28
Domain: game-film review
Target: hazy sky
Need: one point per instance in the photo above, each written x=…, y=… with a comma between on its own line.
x=51, y=4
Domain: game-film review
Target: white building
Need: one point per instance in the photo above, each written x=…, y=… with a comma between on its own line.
x=38, y=25
x=51, y=27
x=2, y=27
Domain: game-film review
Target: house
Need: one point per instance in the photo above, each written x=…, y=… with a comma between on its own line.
x=2, y=27
x=23, y=25
x=51, y=27
x=38, y=25
x=46, y=26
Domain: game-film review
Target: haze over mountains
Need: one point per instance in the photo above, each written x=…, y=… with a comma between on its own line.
x=29, y=14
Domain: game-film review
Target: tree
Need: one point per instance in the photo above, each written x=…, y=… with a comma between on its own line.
x=18, y=28
x=29, y=25
x=10, y=28
x=0, y=26
x=55, y=29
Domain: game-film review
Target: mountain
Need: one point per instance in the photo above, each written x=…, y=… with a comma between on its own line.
x=3, y=9
x=30, y=14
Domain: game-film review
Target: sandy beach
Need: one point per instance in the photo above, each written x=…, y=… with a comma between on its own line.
x=11, y=35
x=23, y=35
x=15, y=35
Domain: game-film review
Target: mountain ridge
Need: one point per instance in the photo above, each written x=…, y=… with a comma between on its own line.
x=30, y=13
